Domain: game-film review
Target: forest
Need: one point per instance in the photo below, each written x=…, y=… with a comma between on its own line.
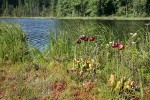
x=74, y=8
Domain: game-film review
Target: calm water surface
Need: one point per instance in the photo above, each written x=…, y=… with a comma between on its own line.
x=38, y=30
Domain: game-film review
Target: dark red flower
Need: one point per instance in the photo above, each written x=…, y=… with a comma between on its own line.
x=116, y=44
x=78, y=41
x=120, y=47
x=91, y=38
x=86, y=39
x=82, y=37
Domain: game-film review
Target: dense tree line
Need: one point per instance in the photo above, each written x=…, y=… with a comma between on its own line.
x=74, y=8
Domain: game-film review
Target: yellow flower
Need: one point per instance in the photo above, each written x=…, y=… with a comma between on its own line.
x=118, y=86
x=127, y=85
x=112, y=81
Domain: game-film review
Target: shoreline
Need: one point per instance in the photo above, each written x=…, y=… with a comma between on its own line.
x=87, y=18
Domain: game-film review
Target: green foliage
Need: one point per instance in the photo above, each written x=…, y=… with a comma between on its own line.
x=74, y=8
x=13, y=45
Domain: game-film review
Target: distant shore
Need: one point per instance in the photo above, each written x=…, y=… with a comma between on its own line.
x=89, y=18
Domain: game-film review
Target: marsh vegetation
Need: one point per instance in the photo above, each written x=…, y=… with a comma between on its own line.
x=89, y=62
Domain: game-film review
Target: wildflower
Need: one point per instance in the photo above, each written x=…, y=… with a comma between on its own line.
x=132, y=83
x=133, y=34
x=78, y=41
x=120, y=47
x=127, y=85
x=133, y=42
x=118, y=86
x=82, y=37
x=86, y=39
x=116, y=44
x=112, y=81
x=107, y=44
x=111, y=42
x=91, y=38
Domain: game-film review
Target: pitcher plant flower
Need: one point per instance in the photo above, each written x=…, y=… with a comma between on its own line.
x=78, y=41
x=82, y=37
x=86, y=39
x=117, y=45
x=121, y=47
x=91, y=38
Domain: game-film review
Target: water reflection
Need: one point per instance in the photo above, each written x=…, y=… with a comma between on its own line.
x=37, y=30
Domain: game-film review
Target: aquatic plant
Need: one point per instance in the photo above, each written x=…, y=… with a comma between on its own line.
x=91, y=38
x=118, y=45
x=125, y=87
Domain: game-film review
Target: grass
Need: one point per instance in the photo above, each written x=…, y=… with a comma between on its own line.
x=67, y=70
x=89, y=18
x=13, y=45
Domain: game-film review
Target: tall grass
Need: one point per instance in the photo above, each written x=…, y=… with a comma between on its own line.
x=13, y=44
x=65, y=46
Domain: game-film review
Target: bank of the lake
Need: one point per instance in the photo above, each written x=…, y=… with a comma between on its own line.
x=88, y=18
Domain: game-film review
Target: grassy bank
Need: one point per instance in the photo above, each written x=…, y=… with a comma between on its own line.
x=89, y=18
x=108, y=18
x=88, y=62
x=13, y=44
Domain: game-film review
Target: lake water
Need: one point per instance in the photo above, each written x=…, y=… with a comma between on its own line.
x=38, y=30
